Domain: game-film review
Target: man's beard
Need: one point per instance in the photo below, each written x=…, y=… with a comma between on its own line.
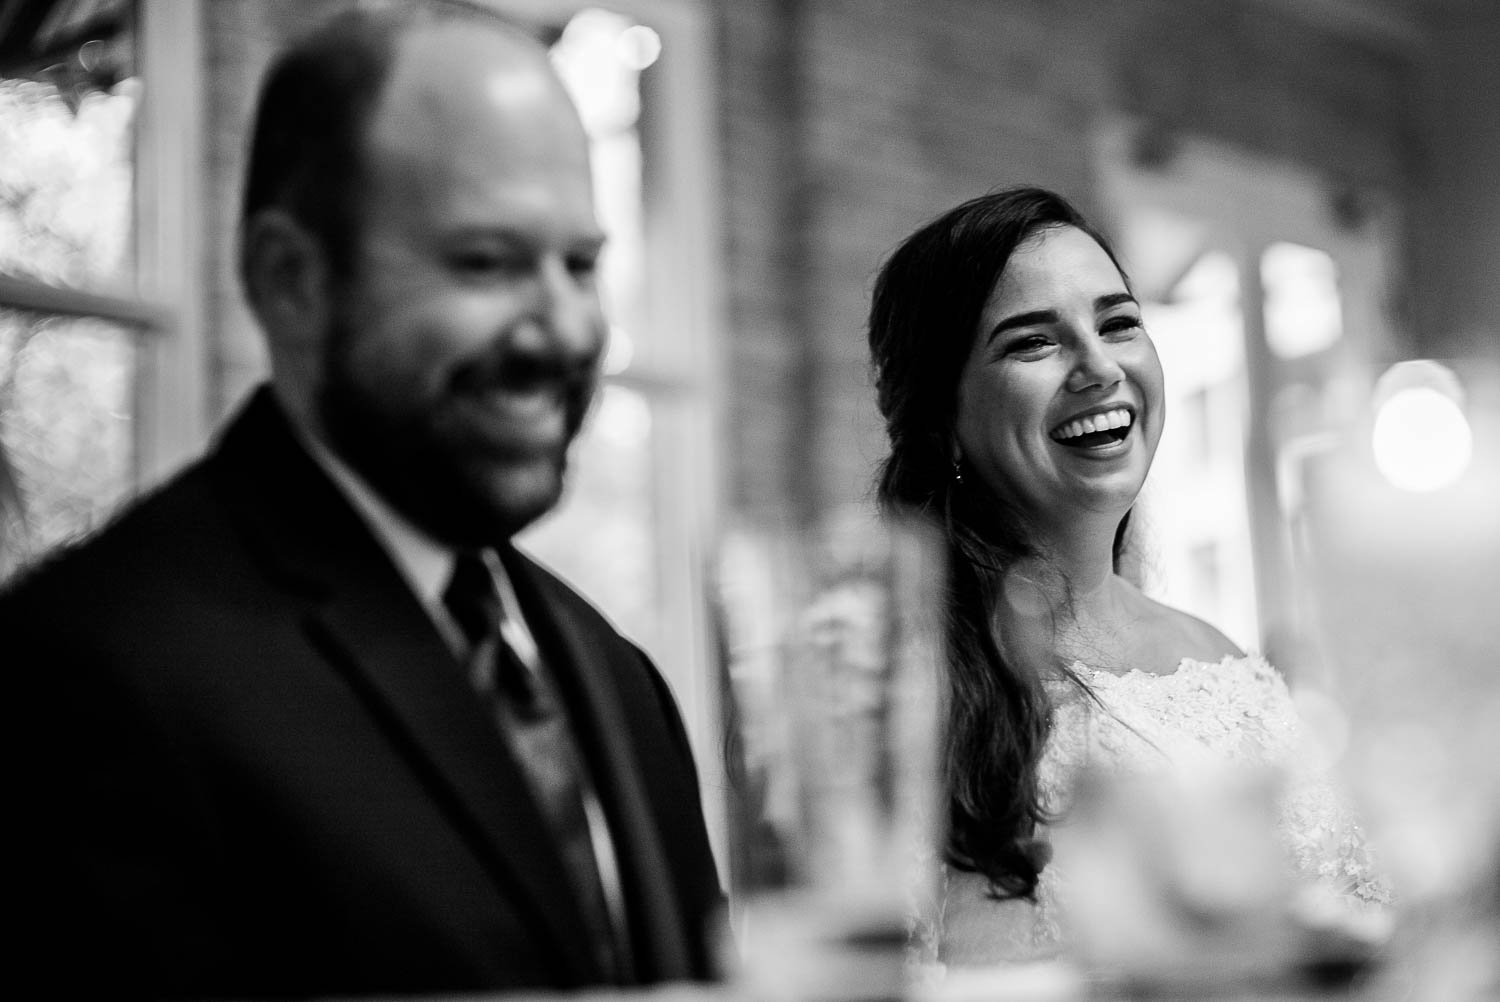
x=418, y=465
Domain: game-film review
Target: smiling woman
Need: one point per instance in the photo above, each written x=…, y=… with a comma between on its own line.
x=1023, y=400
x=1063, y=358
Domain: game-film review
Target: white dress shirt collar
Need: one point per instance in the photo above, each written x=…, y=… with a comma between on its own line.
x=424, y=563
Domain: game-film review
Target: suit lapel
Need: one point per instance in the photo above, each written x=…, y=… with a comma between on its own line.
x=576, y=655
x=364, y=621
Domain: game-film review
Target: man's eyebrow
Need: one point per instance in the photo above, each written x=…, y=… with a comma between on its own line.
x=1021, y=320
x=526, y=241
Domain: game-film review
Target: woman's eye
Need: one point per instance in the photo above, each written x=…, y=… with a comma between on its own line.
x=1031, y=345
x=1122, y=327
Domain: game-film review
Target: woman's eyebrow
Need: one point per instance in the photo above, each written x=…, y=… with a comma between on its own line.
x=1114, y=299
x=1022, y=320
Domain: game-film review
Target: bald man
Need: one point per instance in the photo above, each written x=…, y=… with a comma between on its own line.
x=304, y=721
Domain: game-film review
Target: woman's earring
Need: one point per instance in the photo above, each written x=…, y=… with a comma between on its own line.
x=958, y=472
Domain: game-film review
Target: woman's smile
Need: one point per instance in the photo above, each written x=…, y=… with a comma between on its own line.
x=1096, y=429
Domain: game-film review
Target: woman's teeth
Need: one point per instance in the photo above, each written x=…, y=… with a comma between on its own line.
x=1108, y=421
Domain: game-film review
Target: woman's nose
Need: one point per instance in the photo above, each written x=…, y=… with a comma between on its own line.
x=1094, y=368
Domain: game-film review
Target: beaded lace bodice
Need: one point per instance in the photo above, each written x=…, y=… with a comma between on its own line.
x=1237, y=711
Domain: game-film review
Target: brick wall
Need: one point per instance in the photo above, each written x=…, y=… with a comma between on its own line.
x=1456, y=210
x=847, y=123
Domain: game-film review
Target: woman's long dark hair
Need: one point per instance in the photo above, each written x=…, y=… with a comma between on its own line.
x=924, y=317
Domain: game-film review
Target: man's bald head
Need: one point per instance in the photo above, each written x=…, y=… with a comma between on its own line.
x=308, y=154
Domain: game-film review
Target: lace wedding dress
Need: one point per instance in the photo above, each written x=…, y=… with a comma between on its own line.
x=1237, y=711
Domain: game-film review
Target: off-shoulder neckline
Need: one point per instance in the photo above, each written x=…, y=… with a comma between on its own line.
x=1251, y=659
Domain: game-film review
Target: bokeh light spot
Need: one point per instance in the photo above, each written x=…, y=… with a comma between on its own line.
x=1421, y=439
x=639, y=46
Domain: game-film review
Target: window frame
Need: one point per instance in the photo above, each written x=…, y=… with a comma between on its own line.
x=165, y=312
x=1248, y=202
x=683, y=290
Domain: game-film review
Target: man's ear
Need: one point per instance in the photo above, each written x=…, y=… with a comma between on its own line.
x=287, y=280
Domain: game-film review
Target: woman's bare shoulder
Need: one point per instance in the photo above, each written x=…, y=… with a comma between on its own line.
x=1171, y=634
x=1199, y=639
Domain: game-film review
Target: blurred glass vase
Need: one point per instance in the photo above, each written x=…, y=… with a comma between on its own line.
x=830, y=646
x=1178, y=884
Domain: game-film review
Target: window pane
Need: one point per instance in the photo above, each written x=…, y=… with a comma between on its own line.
x=66, y=174
x=66, y=392
x=602, y=538
x=606, y=537
x=1194, y=514
x=600, y=57
x=1303, y=310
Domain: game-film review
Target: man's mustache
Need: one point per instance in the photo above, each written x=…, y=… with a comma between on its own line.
x=531, y=371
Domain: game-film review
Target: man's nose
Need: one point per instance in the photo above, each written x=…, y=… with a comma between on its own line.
x=565, y=311
x=1094, y=367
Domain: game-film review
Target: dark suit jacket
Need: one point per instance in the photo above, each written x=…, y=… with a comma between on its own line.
x=252, y=767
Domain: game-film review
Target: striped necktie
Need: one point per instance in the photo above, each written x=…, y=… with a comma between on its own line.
x=533, y=721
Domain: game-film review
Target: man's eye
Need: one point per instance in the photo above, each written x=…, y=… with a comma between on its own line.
x=583, y=265
x=481, y=262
